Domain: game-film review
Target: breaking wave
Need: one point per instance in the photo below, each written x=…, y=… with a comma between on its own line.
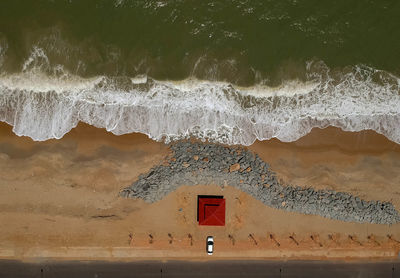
x=44, y=104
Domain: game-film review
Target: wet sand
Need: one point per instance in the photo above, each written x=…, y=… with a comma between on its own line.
x=61, y=195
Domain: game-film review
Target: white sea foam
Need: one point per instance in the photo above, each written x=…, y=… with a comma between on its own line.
x=44, y=106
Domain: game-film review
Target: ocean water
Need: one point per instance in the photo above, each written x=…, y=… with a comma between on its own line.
x=227, y=71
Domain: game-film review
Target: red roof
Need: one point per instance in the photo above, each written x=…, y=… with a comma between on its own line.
x=211, y=211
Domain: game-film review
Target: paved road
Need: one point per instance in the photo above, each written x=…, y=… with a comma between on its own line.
x=15, y=269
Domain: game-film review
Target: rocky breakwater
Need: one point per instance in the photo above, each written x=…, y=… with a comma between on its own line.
x=201, y=163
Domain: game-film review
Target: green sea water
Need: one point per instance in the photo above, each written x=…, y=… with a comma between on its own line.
x=226, y=71
x=240, y=41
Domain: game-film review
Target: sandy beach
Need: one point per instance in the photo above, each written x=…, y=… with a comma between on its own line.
x=217, y=138
x=59, y=198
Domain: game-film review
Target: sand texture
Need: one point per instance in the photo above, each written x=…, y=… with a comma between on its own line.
x=60, y=198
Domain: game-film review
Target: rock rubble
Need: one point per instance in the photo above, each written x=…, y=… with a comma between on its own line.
x=202, y=163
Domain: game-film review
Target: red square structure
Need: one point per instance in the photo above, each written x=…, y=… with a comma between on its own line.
x=211, y=210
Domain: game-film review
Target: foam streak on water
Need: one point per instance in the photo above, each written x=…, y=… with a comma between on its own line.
x=44, y=102
x=44, y=106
